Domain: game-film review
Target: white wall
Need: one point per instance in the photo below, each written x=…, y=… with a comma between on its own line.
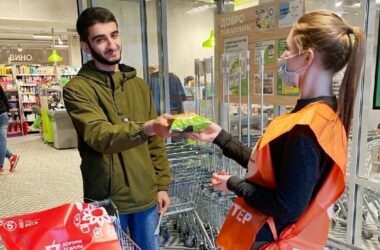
x=186, y=34
x=47, y=13
x=128, y=18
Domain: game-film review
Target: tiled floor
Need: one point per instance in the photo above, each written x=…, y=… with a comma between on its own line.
x=44, y=177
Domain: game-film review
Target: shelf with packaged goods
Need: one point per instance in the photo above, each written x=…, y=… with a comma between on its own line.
x=30, y=79
x=15, y=127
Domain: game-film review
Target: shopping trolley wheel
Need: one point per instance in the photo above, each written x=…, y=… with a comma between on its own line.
x=202, y=246
x=367, y=235
x=165, y=233
x=175, y=224
x=333, y=223
x=215, y=231
x=335, y=207
x=365, y=214
x=190, y=241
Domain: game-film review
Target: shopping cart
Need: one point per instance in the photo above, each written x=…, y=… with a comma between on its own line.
x=125, y=241
x=189, y=164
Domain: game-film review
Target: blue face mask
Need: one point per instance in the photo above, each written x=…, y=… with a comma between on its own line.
x=289, y=78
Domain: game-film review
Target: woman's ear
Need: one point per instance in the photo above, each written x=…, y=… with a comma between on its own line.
x=309, y=56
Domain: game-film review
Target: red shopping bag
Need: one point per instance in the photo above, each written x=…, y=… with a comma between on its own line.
x=67, y=227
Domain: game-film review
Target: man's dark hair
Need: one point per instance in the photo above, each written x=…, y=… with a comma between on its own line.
x=92, y=16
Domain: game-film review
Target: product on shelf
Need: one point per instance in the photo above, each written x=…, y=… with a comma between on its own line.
x=23, y=84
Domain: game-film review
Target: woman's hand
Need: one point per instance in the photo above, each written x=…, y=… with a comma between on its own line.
x=219, y=181
x=159, y=126
x=207, y=135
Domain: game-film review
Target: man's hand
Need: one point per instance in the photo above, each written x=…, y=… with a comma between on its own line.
x=163, y=202
x=159, y=126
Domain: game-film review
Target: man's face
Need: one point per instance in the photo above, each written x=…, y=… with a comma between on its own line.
x=104, y=43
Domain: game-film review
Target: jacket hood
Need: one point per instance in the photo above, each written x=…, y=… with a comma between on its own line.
x=91, y=72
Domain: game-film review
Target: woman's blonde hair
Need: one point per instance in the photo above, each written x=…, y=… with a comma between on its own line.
x=339, y=45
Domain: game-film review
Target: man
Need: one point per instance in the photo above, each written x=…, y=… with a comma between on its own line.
x=176, y=91
x=115, y=119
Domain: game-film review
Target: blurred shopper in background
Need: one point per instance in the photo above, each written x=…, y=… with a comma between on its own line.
x=4, y=151
x=176, y=91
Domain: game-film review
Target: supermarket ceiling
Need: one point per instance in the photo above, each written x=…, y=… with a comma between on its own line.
x=22, y=20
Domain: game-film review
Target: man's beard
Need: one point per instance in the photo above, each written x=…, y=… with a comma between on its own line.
x=100, y=58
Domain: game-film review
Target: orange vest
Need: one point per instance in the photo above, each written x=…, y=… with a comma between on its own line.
x=311, y=230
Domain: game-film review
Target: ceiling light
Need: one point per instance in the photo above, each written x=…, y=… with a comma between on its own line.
x=210, y=42
x=338, y=3
x=198, y=9
x=59, y=38
x=54, y=57
x=61, y=46
x=19, y=49
x=42, y=37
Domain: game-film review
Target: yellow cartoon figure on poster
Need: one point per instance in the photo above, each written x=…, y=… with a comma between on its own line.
x=265, y=19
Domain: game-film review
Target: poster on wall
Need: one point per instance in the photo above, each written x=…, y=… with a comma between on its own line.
x=235, y=49
x=282, y=88
x=236, y=45
x=236, y=74
x=289, y=12
x=269, y=48
x=265, y=19
x=281, y=46
x=268, y=84
x=286, y=90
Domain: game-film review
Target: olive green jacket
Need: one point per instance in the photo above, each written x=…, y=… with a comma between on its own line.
x=107, y=110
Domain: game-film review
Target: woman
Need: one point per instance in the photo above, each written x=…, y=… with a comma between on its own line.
x=297, y=169
x=4, y=152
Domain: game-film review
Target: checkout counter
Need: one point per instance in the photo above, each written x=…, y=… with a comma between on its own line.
x=64, y=134
x=57, y=127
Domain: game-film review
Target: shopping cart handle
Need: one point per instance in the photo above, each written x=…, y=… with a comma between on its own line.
x=102, y=203
x=105, y=203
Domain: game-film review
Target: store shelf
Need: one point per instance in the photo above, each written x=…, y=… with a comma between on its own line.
x=13, y=134
x=11, y=90
x=28, y=85
x=35, y=75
